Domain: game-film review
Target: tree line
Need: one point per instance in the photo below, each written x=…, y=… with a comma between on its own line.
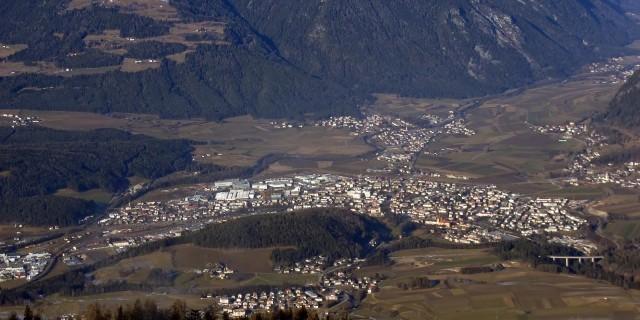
x=618, y=267
x=149, y=310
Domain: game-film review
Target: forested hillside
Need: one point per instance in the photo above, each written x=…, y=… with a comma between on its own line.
x=438, y=48
x=36, y=162
x=331, y=232
x=302, y=58
x=624, y=109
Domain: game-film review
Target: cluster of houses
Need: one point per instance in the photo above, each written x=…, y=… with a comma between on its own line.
x=371, y=123
x=312, y=265
x=336, y=283
x=467, y=213
x=243, y=305
x=433, y=119
x=16, y=120
x=22, y=266
x=565, y=131
x=400, y=141
x=616, y=67
x=316, y=265
x=458, y=127
x=582, y=169
x=464, y=210
x=217, y=270
x=626, y=175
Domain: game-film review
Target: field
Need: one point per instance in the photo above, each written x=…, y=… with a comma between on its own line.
x=517, y=292
x=252, y=267
x=234, y=142
x=156, y=9
x=623, y=205
x=97, y=195
x=505, y=150
x=9, y=231
x=406, y=107
x=7, y=50
x=623, y=230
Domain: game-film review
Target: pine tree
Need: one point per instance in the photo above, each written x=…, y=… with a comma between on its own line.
x=28, y=314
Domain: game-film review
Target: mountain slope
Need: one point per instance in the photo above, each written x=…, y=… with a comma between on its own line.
x=624, y=109
x=451, y=48
x=300, y=58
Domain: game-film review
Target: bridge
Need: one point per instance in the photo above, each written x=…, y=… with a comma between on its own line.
x=579, y=258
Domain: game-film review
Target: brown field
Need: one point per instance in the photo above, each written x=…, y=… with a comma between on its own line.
x=9, y=231
x=97, y=195
x=517, y=292
x=406, y=107
x=252, y=266
x=132, y=65
x=235, y=142
x=505, y=151
x=156, y=9
x=7, y=50
x=11, y=68
x=250, y=261
x=621, y=205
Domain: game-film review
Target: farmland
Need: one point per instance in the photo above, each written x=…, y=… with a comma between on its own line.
x=234, y=142
x=252, y=267
x=516, y=292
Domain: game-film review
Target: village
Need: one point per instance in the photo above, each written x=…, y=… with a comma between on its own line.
x=399, y=141
x=584, y=169
x=336, y=283
x=18, y=120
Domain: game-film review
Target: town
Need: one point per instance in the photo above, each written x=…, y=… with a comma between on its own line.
x=466, y=213
x=22, y=266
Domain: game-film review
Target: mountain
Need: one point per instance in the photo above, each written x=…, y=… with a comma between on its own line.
x=438, y=48
x=624, y=109
x=293, y=59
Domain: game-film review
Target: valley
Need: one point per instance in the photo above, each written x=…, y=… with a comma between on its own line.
x=202, y=160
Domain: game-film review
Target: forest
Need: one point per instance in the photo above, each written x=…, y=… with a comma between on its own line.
x=336, y=233
x=38, y=161
x=624, y=108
